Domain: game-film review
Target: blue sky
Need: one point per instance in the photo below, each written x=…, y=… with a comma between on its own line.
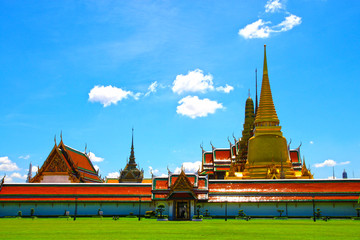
x=95, y=69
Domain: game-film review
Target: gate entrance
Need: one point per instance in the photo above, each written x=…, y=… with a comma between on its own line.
x=182, y=210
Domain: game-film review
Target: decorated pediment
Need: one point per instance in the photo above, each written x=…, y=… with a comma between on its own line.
x=182, y=188
x=56, y=164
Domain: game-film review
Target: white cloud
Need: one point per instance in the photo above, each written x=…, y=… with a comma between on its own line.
x=25, y=157
x=344, y=163
x=273, y=6
x=97, y=168
x=194, y=107
x=289, y=23
x=34, y=169
x=330, y=163
x=263, y=29
x=94, y=158
x=194, y=81
x=225, y=89
x=256, y=29
x=311, y=142
x=190, y=167
x=152, y=88
x=326, y=163
x=7, y=165
x=18, y=175
x=108, y=95
x=113, y=175
x=136, y=96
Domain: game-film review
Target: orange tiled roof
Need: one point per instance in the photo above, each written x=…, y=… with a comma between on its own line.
x=146, y=180
x=291, y=186
x=112, y=180
x=294, y=156
x=222, y=154
x=208, y=158
x=217, y=198
x=68, y=192
x=80, y=159
x=161, y=183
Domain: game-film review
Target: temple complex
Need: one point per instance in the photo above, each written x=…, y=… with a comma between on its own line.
x=258, y=174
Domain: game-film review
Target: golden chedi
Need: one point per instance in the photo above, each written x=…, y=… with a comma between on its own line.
x=268, y=155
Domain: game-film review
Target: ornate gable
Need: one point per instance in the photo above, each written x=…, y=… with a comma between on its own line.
x=182, y=187
x=55, y=164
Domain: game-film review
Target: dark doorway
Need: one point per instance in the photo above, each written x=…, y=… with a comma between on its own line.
x=182, y=210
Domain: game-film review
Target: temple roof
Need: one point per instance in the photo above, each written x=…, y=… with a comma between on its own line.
x=66, y=160
x=211, y=190
x=70, y=192
x=283, y=190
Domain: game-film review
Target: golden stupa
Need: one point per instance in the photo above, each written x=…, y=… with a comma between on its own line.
x=267, y=153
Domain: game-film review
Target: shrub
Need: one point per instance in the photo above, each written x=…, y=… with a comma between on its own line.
x=150, y=214
x=241, y=213
x=19, y=213
x=318, y=213
x=32, y=212
x=160, y=209
x=198, y=211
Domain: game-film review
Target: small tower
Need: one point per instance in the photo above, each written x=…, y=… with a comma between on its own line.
x=248, y=129
x=29, y=176
x=344, y=174
x=131, y=173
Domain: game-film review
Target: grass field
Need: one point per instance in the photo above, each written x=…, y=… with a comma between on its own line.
x=106, y=228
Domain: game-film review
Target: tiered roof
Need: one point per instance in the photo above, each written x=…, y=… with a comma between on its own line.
x=64, y=160
x=218, y=160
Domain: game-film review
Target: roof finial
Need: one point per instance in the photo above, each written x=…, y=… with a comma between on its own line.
x=85, y=147
x=229, y=142
x=61, y=135
x=169, y=172
x=212, y=146
x=256, y=98
x=132, y=154
x=234, y=137
x=55, y=139
x=265, y=70
x=249, y=93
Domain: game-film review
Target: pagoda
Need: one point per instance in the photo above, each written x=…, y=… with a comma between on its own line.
x=131, y=174
x=262, y=152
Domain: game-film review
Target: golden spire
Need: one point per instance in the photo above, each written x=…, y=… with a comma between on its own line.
x=266, y=111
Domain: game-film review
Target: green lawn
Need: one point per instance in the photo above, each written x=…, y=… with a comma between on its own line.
x=106, y=228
